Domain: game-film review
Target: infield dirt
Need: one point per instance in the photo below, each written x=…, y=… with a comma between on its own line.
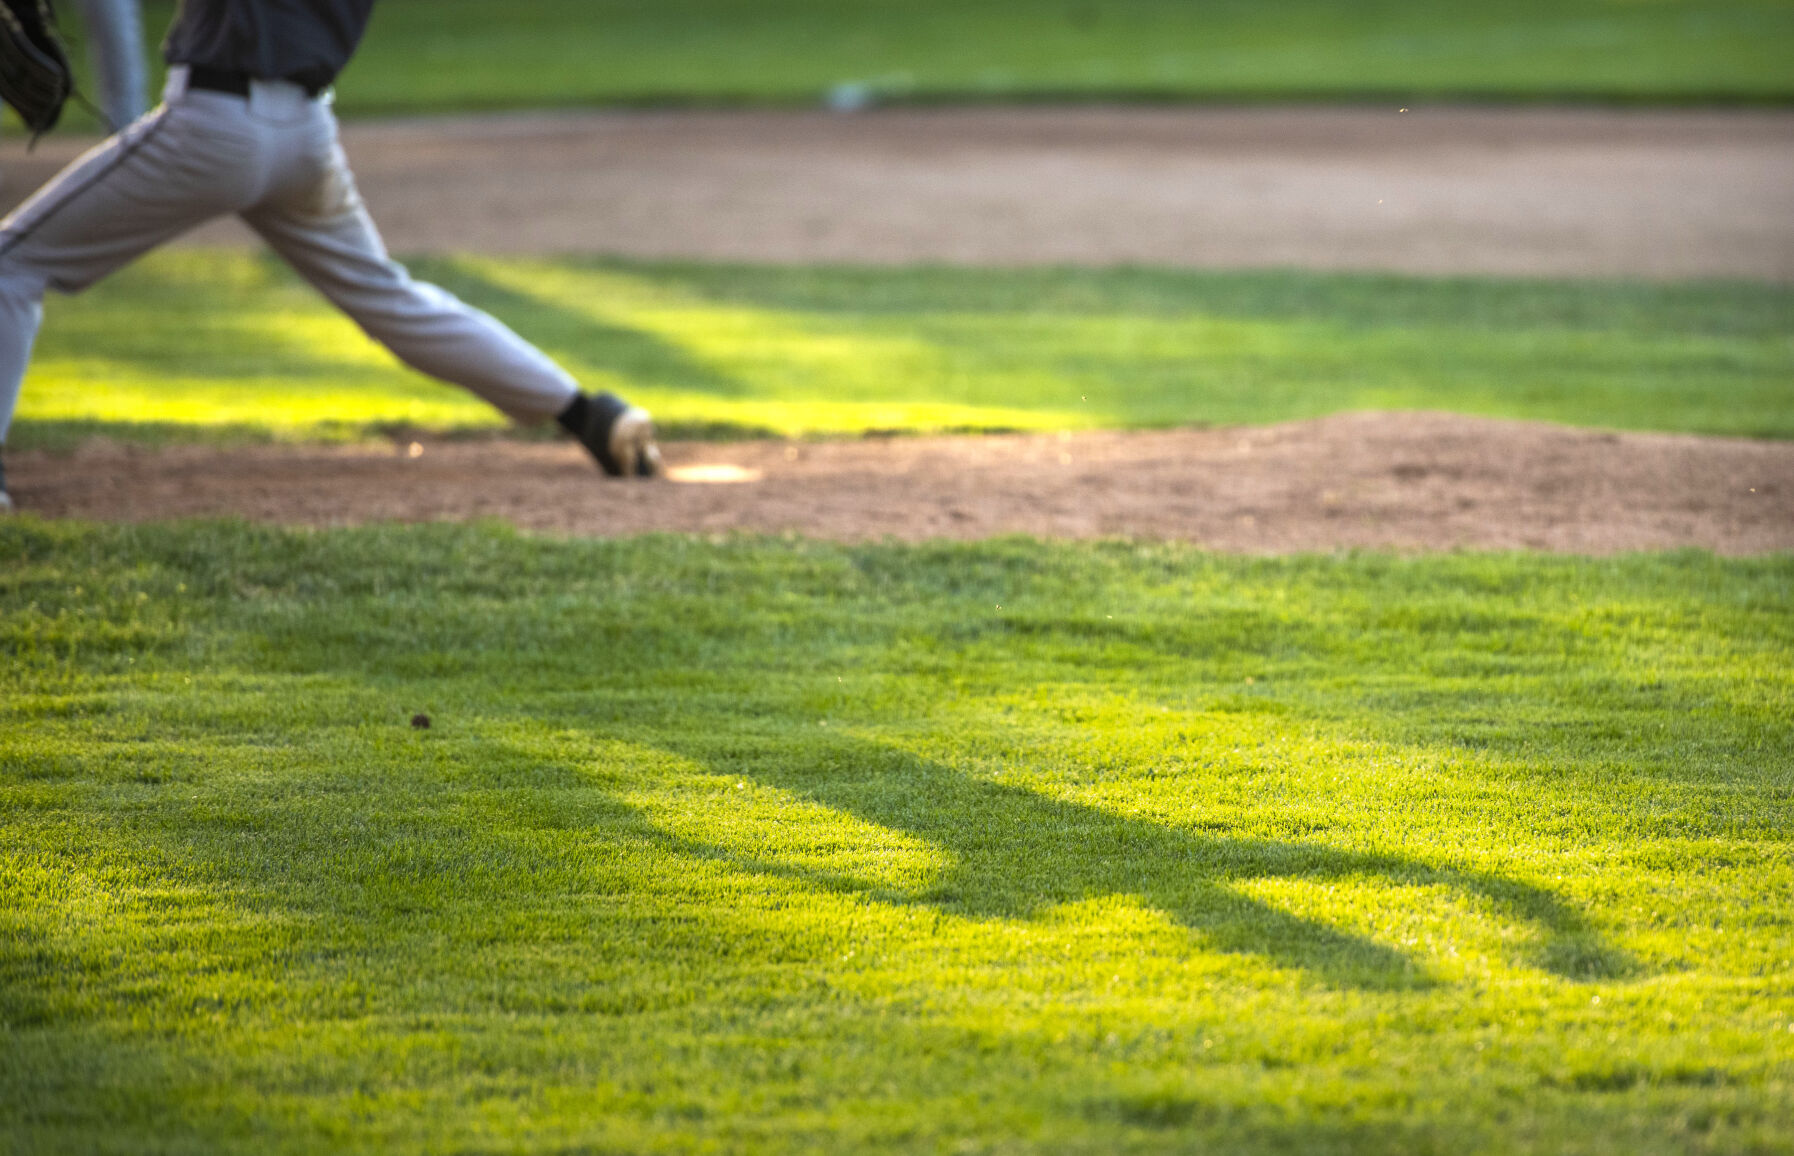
x=1536, y=192
x=1406, y=481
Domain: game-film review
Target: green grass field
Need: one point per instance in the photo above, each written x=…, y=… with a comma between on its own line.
x=770, y=845
x=196, y=344
x=434, y=55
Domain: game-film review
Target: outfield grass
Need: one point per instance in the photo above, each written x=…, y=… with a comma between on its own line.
x=432, y=53
x=767, y=844
x=435, y=55
x=198, y=344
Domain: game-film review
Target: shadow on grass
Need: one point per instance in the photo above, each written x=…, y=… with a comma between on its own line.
x=1017, y=853
x=532, y=846
x=639, y=358
x=65, y=437
x=1353, y=300
x=62, y=437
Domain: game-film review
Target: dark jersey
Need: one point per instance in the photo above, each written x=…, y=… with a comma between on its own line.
x=305, y=41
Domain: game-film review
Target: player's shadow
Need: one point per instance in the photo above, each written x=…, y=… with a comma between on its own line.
x=1016, y=852
x=638, y=357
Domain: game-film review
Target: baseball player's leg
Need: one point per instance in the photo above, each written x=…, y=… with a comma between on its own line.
x=168, y=172
x=115, y=45
x=316, y=221
x=340, y=253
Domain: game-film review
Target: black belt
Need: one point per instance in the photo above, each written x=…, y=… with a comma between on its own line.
x=229, y=80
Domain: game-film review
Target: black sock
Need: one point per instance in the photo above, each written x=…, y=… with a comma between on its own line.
x=590, y=418
x=573, y=418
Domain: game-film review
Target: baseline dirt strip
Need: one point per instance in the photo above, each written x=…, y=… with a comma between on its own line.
x=1537, y=192
x=1407, y=481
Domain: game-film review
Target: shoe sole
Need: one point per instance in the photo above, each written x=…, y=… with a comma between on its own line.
x=632, y=445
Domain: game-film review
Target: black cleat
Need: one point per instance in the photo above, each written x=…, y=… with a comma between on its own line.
x=619, y=436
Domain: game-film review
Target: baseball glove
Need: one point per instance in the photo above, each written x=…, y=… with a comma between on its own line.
x=34, y=70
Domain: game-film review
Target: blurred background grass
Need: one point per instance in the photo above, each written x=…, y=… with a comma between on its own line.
x=444, y=55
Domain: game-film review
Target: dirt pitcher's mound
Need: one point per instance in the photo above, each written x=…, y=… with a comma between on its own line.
x=1402, y=480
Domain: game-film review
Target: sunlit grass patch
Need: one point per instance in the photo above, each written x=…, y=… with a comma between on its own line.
x=228, y=344
x=795, y=846
x=277, y=407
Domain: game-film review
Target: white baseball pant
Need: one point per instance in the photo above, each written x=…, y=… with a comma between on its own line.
x=273, y=159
